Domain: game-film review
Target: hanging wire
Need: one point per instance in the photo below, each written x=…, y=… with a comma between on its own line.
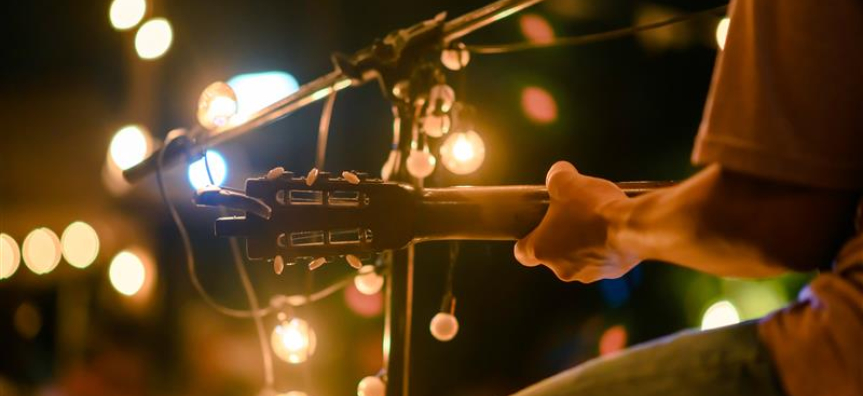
x=591, y=38
x=324, y=130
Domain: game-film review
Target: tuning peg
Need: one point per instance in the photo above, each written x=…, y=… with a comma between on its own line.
x=312, y=176
x=278, y=265
x=317, y=263
x=351, y=177
x=354, y=261
x=275, y=173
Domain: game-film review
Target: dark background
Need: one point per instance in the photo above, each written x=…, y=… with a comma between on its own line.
x=628, y=109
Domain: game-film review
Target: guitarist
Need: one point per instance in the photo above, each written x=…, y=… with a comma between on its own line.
x=782, y=145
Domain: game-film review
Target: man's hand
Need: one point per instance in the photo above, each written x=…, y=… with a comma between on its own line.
x=573, y=237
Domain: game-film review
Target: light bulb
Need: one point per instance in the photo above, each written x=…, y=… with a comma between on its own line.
x=371, y=386
x=436, y=125
x=722, y=32
x=462, y=153
x=125, y=14
x=444, y=326
x=80, y=244
x=129, y=146
x=198, y=176
x=41, y=251
x=720, y=314
x=127, y=273
x=10, y=256
x=293, y=340
x=154, y=38
x=421, y=164
x=441, y=98
x=216, y=105
x=455, y=58
x=368, y=281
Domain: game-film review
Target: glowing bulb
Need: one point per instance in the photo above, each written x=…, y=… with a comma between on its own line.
x=455, y=58
x=436, y=125
x=216, y=105
x=258, y=90
x=444, y=326
x=41, y=251
x=154, y=38
x=293, y=341
x=368, y=281
x=462, y=153
x=80, y=244
x=198, y=176
x=720, y=314
x=129, y=146
x=127, y=273
x=10, y=256
x=722, y=32
x=420, y=164
x=125, y=14
x=371, y=386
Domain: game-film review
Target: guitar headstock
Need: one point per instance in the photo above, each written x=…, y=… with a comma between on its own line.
x=322, y=215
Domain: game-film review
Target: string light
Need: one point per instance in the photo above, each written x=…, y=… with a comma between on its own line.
x=293, y=340
x=125, y=14
x=127, y=273
x=720, y=314
x=455, y=58
x=371, y=386
x=368, y=281
x=80, y=244
x=10, y=256
x=444, y=326
x=41, y=251
x=436, y=125
x=722, y=32
x=462, y=153
x=198, y=175
x=216, y=105
x=154, y=38
x=129, y=146
x=421, y=163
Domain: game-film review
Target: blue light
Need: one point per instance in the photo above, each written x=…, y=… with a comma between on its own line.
x=258, y=90
x=198, y=170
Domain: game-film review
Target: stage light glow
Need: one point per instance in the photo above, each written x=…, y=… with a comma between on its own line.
x=27, y=321
x=129, y=146
x=720, y=314
x=462, y=153
x=722, y=32
x=293, y=340
x=10, y=256
x=216, y=105
x=254, y=91
x=536, y=28
x=126, y=14
x=538, y=105
x=198, y=176
x=154, y=38
x=127, y=273
x=421, y=163
x=41, y=251
x=371, y=386
x=612, y=340
x=368, y=281
x=80, y=244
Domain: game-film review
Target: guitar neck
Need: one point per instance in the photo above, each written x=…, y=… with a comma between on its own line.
x=491, y=213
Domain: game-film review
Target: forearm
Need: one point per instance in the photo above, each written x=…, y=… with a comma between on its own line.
x=730, y=224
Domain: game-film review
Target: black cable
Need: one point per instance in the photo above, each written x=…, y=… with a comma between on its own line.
x=590, y=38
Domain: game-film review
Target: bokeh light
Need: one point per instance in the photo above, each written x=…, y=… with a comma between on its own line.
x=127, y=273
x=217, y=105
x=41, y=251
x=293, y=341
x=27, y=321
x=368, y=281
x=612, y=340
x=80, y=244
x=720, y=314
x=129, y=146
x=198, y=176
x=722, y=32
x=462, y=153
x=126, y=14
x=536, y=28
x=154, y=38
x=538, y=105
x=10, y=256
x=365, y=305
x=254, y=91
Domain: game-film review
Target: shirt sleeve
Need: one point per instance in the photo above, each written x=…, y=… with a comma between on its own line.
x=786, y=101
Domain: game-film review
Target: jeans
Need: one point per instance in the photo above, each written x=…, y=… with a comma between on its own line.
x=725, y=361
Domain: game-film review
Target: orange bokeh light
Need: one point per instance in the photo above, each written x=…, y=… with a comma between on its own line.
x=364, y=305
x=612, y=340
x=536, y=28
x=538, y=105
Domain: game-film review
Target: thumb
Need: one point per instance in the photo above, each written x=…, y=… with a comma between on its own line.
x=524, y=251
x=561, y=175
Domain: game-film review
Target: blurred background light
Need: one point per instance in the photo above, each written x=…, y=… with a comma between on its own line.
x=612, y=340
x=615, y=292
x=538, y=105
x=41, y=251
x=10, y=256
x=292, y=393
x=125, y=14
x=27, y=321
x=217, y=105
x=127, y=273
x=536, y=28
x=130, y=145
x=722, y=32
x=254, y=91
x=365, y=305
x=720, y=314
x=293, y=340
x=80, y=244
x=154, y=38
x=198, y=176
x=462, y=152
